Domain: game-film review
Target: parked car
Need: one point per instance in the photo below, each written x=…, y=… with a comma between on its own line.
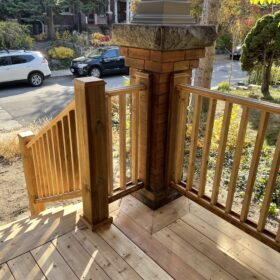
x=20, y=65
x=101, y=61
x=236, y=54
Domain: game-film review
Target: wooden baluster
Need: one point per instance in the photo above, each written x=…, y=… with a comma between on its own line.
x=64, y=186
x=43, y=167
x=237, y=158
x=52, y=172
x=254, y=165
x=207, y=145
x=277, y=239
x=134, y=136
x=67, y=150
x=194, y=139
x=74, y=149
x=110, y=144
x=92, y=122
x=37, y=167
x=47, y=165
x=29, y=172
x=122, y=129
x=271, y=184
x=221, y=152
x=56, y=151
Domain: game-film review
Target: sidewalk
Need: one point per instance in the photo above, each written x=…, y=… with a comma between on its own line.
x=7, y=121
x=61, y=73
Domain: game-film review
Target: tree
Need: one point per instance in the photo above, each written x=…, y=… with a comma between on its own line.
x=262, y=47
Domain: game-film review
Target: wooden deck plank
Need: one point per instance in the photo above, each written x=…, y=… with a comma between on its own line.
x=114, y=266
x=162, y=255
x=52, y=263
x=5, y=273
x=191, y=256
x=230, y=232
x=40, y=233
x=233, y=248
x=80, y=261
x=25, y=267
x=135, y=257
x=169, y=213
x=209, y=248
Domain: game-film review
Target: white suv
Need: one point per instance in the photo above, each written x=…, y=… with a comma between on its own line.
x=28, y=66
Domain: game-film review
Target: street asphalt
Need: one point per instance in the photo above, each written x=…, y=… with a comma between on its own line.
x=21, y=104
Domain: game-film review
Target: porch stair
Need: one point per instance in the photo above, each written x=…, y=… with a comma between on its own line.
x=180, y=240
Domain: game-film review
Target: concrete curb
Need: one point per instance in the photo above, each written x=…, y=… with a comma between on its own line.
x=57, y=74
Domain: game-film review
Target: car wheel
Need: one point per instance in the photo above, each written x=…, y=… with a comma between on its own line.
x=95, y=72
x=36, y=79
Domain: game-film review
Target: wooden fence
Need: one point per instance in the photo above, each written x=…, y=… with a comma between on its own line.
x=52, y=161
x=195, y=181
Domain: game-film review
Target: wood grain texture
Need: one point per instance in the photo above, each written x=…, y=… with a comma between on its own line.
x=5, y=273
x=254, y=165
x=52, y=263
x=237, y=157
x=80, y=261
x=162, y=255
x=25, y=267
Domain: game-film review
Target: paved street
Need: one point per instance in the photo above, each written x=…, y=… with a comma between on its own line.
x=21, y=104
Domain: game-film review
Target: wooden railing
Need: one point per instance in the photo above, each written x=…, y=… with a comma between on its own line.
x=125, y=104
x=54, y=160
x=190, y=178
x=51, y=159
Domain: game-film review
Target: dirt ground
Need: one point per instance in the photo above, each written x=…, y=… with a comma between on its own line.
x=13, y=195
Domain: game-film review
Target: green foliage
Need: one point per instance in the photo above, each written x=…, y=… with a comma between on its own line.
x=224, y=41
x=14, y=36
x=223, y=86
x=256, y=75
x=61, y=53
x=262, y=47
x=272, y=209
x=262, y=42
x=264, y=2
x=40, y=37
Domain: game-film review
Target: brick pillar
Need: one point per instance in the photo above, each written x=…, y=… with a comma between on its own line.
x=163, y=67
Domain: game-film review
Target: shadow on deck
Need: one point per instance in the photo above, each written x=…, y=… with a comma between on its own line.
x=180, y=240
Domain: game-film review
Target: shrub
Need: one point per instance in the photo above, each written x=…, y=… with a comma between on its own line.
x=14, y=36
x=255, y=76
x=224, y=86
x=100, y=39
x=40, y=37
x=61, y=53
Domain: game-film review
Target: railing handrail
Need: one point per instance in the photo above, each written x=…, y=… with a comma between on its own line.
x=70, y=107
x=126, y=90
x=249, y=102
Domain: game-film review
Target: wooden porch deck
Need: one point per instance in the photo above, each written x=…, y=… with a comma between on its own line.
x=180, y=240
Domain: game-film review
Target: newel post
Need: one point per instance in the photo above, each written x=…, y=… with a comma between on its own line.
x=91, y=120
x=29, y=172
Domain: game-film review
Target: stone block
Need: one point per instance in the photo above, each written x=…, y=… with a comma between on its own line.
x=139, y=53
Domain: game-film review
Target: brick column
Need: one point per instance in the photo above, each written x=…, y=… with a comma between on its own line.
x=162, y=66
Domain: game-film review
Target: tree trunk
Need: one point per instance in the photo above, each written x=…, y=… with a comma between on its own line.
x=51, y=30
x=203, y=75
x=266, y=75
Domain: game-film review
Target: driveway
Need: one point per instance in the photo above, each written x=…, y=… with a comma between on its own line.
x=22, y=104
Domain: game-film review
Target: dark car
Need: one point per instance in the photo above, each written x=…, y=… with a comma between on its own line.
x=236, y=54
x=105, y=60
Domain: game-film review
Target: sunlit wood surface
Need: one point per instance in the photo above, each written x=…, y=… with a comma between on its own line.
x=178, y=241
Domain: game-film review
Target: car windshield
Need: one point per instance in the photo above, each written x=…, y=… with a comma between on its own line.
x=95, y=53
